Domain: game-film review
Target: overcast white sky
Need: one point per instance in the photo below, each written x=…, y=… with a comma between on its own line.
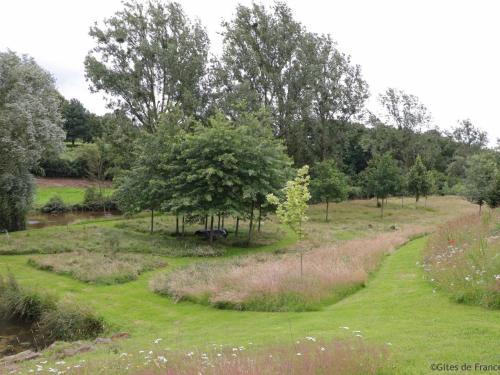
x=447, y=52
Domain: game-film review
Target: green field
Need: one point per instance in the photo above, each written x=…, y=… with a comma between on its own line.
x=398, y=309
x=69, y=195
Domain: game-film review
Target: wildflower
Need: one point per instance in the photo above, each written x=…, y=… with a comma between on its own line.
x=356, y=331
x=358, y=335
x=219, y=355
x=190, y=354
x=123, y=355
x=497, y=277
x=162, y=359
x=323, y=349
x=157, y=341
x=468, y=278
x=299, y=354
x=60, y=363
x=344, y=327
x=310, y=338
x=390, y=344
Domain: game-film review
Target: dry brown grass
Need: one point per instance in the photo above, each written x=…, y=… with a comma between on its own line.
x=104, y=268
x=275, y=283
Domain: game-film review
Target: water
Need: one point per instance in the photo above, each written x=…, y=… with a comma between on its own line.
x=15, y=338
x=38, y=220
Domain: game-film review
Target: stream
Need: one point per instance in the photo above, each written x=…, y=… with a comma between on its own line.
x=15, y=338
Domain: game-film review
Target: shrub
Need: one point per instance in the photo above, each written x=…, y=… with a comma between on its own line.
x=461, y=258
x=50, y=320
x=69, y=323
x=55, y=205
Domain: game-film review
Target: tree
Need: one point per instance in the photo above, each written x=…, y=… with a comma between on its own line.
x=76, y=121
x=292, y=209
x=97, y=161
x=404, y=111
x=149, y=58
x=480, y=177
x=419, y=183
x=223, y=169
x=382, y=178
x=30, y=126
x=309, y=88
x=470, y=136
x=328, y=183
x=493, y=194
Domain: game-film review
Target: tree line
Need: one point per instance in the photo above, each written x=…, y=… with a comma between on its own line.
x=277, y=96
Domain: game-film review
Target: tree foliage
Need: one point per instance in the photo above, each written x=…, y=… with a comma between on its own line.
x=480, y=177
x=149, y=58
x=292, y=209
x=382, y=178
x=419, y=181
x=30, y=126
x=328, y=183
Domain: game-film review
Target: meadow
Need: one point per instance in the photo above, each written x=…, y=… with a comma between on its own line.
x=391, y=314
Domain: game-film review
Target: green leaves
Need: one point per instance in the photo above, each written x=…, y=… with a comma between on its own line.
x=292, y=209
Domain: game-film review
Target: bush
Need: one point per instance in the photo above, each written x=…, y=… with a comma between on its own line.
x=55, y=205
x=94, y=200
x=59, y=167
x=50, y=321
x=69, y=323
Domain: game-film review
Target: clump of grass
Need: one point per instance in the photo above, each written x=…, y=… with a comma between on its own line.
x=102, y=268
x=49, y=319
x=282, y=282
x=462, y=259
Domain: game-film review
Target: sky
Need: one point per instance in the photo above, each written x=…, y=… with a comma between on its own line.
x=446, y=52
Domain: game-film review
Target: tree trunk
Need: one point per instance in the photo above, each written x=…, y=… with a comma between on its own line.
x=206, y=222
x=402, y=197
x=480, y=206
x=218, y=223
x=222, y=224
x=250, y=228
x=152, y=220
x=183, y=225
x=211, y=236
x=327, y=206
x=260, y=217
x=382, y=209
x=237, y=226
x=176, y=224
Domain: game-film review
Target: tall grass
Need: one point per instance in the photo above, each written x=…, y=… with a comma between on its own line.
x=287, y=282
x=103, y=268
x=50, y=320
x=462, y=258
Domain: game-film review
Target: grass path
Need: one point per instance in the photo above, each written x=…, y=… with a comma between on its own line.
x=396, y=307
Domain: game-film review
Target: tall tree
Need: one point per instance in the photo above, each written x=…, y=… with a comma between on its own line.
x=404, y=111
x=76, y=121
x=419, y=183
x=382, y=178
x=328, y=183
x=471, y=137
x=269, y=60
x=30, y=125
x=480, y=177
x=149, y=58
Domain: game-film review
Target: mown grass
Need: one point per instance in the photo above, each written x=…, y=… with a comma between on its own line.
x=397, y=309
x=102, y=268
x=463, y=259
x=69, y=195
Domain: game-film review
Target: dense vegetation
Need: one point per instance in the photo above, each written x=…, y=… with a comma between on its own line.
x=462, y=260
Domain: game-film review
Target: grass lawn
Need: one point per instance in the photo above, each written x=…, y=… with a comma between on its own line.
x=69, y=195
x=398, y=309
